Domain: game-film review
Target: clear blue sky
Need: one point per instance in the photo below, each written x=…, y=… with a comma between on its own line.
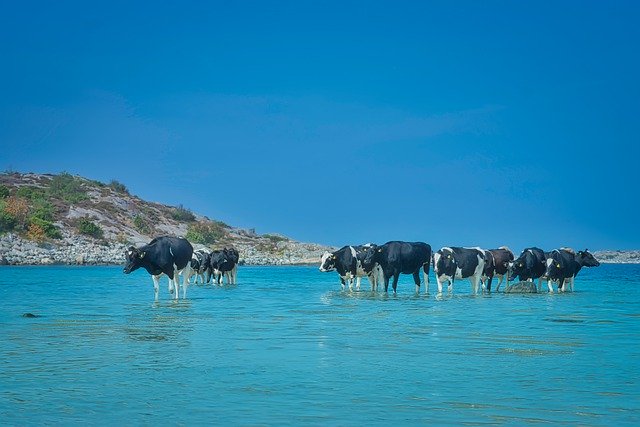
x=454, y=123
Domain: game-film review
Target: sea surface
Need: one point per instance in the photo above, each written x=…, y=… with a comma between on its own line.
x=286, y=346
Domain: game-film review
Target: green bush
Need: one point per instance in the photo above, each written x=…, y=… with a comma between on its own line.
x=68, y=188
x=50, y=230
x=7, y=221
x=180, y=213
x=88, y=227
x=31, y=192
x=141, y=224
x=275, y=238
x=4, y=191
x=205, y=233
x=42, y=209
x=118, y=187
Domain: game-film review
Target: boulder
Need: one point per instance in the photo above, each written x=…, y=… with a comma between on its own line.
x=521, y=288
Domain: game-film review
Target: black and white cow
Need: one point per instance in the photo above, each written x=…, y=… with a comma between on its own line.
x=395, y=258
x=564, y=264
x=200, y=264
x=224, y=263
x=531, y=264
x=163, y=255
x=451, y=263
x=496, y=263
x=348, y=261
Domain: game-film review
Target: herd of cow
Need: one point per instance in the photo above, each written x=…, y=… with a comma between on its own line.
x=175, y=257
x=480, y=266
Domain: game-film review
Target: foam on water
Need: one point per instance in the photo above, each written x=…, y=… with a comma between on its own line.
x=287, y=346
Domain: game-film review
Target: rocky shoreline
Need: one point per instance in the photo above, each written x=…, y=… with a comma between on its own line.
x=80, y=250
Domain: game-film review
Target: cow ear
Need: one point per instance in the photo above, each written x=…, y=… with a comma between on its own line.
x=141, y=255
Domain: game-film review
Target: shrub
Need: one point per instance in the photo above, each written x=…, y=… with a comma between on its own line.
x=275, y=238
x=67, y=187
x=4, y=191
x=7, y=221
x=31, y=192
x=48, y=229
x=17, y=207
x=205, y=232
x=180, y=213
x=42, y=209
x=88, y=227
x=118, y=187
x=141, y=224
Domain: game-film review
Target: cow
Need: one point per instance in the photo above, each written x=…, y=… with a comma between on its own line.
x=348, y=261
x=451, y=263
x=496, y=263
x=200, y=264
x=224, y=262
x=564, y=264
x=531, y=264
x=395, y=258
x=163, y=255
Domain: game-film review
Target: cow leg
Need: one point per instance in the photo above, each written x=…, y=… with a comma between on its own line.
x=450, y=285
x=358, y=279
x=571, y=281
x=439, y=283
x=156, y=285
x=386, y=282
x=425, y=276
x=416, y=279
x=501, y=278
x=396, y=276
x=550, y=285
x=475, y=282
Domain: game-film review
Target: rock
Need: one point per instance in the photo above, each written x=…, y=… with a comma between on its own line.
x=521, y=288
x=30, y=315
x=3, y=260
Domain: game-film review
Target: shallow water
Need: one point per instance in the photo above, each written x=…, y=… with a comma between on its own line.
x=287, y=346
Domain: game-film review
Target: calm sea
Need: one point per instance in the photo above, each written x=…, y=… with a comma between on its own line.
x=287, y=346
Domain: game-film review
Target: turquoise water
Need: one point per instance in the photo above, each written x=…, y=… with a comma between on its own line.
x=287, y=346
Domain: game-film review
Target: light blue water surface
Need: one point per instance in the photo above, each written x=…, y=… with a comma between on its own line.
x=287, y=346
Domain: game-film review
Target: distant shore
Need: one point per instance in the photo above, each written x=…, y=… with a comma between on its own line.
x=78, y=250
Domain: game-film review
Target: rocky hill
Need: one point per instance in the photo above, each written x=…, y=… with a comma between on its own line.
x=66, y=219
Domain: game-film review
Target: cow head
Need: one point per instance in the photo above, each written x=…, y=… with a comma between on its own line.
x=518, y=267
x=444, y=262
x=554, y=268
x=372, y=253
x=586, y=258
x=134, y=257
x=327, y=262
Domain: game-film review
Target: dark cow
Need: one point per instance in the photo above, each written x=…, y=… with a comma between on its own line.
x=163, y=255
x=564, y=264
x=224, y=263
x=200, y=264
x=395, y=258
x=348, y=261
x=496, y=263
x=451, y=263
x=530, y=265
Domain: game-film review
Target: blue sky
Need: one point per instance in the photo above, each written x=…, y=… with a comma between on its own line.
x=455, y=123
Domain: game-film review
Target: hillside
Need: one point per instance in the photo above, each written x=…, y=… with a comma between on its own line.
x=66, y=219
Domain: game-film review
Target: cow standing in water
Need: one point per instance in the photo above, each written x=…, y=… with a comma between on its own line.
x=496, y=263
x=348, y=261
x=163, y=255
x=395, y=258
x=564, y=264
x=451, y=263
x=224, y=263
x=530, y=265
